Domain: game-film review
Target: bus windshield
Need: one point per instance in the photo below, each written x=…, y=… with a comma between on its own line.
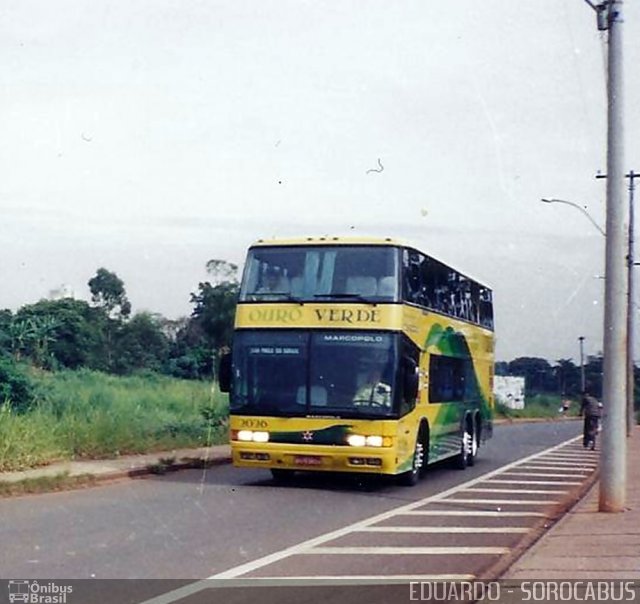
x=343, y=374
x=316, y=273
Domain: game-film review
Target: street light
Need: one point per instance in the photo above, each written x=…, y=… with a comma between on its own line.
x=575, y=205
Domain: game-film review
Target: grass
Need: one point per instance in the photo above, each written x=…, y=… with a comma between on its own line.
x=88, y=415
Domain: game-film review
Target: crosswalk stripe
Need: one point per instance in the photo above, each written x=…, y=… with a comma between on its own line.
x=519, y=491
x=541, y=475
x=503, y=501
x=487, y=513
x=404, y=550
x=464, y=530
x=538, y=482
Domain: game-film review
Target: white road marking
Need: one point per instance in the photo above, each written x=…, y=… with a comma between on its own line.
x=565, y=464
x=528, y=482
x=487, y=513
x=504, y=501
x=554, y=468
x=571, y=456
x=405, y=550
x=312, y=580
x=441, y=497
x=303, y=547
x=463, y=530
x=520, y=491
x=543, y=475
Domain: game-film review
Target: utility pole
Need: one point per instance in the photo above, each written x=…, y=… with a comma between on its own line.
x=631, y=310
x=582, y=380
x=613, y=471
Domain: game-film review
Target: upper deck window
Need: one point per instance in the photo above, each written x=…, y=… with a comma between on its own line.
x=433, y=285
x=316, y=273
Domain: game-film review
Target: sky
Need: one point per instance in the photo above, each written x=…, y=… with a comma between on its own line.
x=150, y=136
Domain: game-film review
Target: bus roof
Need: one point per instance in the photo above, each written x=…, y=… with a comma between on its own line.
x=330, y=240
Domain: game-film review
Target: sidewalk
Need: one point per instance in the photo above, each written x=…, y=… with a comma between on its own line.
x=125, y=466
x=587, y=544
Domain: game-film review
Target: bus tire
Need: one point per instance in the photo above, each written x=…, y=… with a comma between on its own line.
x=461, y=460
x=412, y=477
x=475, y=443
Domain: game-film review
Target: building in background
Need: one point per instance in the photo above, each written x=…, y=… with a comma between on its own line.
x=509, y=391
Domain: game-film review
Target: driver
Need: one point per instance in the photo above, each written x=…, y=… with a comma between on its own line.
x=373, y=391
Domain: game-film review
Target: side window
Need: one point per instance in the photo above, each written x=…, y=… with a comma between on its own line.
x=415, y=283
x=446, y=379
x=408, y=378
x=486, y=308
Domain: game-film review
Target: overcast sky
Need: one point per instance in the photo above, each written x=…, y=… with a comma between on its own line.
x=149, y=136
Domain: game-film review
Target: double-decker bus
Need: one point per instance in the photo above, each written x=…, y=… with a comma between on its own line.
x=357, y=355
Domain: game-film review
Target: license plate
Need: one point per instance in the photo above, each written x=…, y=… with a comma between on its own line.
x=307, y=460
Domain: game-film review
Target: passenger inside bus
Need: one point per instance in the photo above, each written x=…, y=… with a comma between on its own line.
x=373, y=390
x=273, y=282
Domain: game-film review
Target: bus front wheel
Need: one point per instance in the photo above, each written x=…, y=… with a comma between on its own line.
x=411, y=478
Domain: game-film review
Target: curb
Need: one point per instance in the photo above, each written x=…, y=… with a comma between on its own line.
x=160, y=468
x=64, y=481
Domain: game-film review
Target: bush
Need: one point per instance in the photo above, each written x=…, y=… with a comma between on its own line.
x=16, y=389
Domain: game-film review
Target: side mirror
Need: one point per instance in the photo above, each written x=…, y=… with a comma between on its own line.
x=224, y=372
x=410, y=379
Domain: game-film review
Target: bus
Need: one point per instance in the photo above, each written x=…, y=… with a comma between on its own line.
x=357, y=355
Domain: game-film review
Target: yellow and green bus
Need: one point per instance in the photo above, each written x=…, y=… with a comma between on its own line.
x=357, y=355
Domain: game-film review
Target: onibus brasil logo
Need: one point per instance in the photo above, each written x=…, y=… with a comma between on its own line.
x=38, y=592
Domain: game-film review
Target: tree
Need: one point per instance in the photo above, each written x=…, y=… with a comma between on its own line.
x=568, y=376
x=6, y=318
x=61, y=333
x=141, y=344
x=108, y=293
x=537, y=372
x=211, y=324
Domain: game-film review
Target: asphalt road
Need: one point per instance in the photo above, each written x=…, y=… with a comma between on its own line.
x=198, y=523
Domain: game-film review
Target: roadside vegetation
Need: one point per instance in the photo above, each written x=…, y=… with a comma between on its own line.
x=87, y=414
x=83, y=379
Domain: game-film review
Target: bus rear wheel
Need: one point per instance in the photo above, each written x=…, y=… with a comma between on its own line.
x=462, y=458
x=473, y=448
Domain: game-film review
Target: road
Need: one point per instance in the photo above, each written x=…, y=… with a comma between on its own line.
x=232, y=524
x=197, y=523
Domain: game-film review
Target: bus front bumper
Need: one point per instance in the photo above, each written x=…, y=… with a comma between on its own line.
x=315, y=458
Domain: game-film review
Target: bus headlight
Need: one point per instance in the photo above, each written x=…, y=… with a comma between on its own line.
x=359, y=440
x=374, y=441
x=356, y=440
x=251, y=436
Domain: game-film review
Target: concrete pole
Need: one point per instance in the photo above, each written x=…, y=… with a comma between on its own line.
x=582, y=380
x=631, y=312
x=613, y=477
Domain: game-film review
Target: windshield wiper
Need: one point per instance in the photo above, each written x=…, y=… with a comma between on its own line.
x=349, y=296
x=276, y=296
